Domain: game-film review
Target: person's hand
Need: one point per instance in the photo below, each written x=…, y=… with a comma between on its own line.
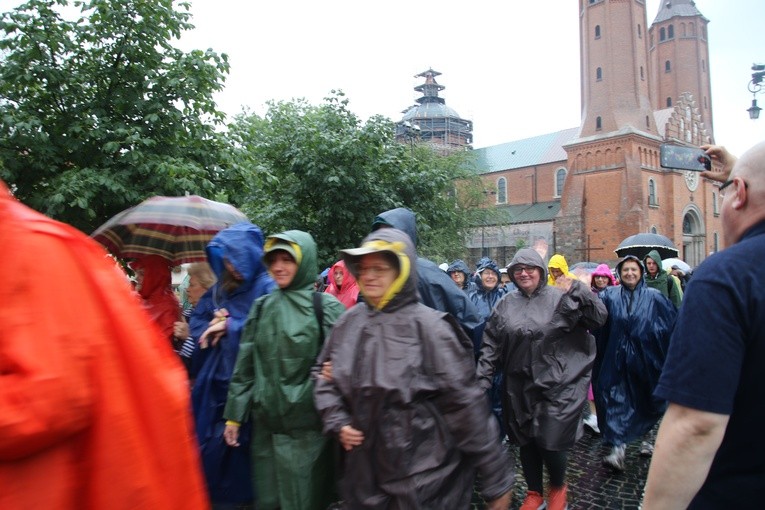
x=501, y=503
x=231, y=434
x=219, y=315
x=563, y=283
x=720, y=154
x=213, y=334
x=181, y=329
x=350, y=437
x=326, y=371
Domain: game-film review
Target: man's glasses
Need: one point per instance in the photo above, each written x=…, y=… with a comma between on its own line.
x=518, y=271
x=727, y=183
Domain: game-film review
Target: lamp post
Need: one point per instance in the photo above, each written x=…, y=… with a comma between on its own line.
x=755, y=87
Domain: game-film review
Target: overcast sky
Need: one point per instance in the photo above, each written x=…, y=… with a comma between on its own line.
x=512, y=67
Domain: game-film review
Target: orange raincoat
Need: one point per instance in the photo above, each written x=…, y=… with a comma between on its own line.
x=94, y=407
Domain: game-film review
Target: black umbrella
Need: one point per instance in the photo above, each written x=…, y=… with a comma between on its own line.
x=640, y=244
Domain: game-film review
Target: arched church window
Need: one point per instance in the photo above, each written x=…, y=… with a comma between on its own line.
x=662, y=34
x=671, y=32
x=598, y=123
x=599, y=73
x=560, y=180
x=597, y=31
x=501, y=190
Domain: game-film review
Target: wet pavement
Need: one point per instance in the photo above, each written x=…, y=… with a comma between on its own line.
x=590, y=484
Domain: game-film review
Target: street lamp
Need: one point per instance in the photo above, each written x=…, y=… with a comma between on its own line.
x=755, y=87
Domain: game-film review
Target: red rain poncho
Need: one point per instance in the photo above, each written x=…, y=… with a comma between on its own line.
x=157, y=292
x=348, y=293
x=94, y=408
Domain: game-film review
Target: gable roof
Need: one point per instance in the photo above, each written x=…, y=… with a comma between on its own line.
x=536, y=150
x=529, y=213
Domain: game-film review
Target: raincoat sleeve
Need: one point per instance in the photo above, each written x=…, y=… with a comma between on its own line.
x=239, y=401
x=46, y=386
x=491, y=351
x=198, y=323
x=582, y=307
x=327, y=396
x=462, y=405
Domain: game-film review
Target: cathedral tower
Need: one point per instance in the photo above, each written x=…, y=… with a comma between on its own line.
x=679, y=58
x=614, y=67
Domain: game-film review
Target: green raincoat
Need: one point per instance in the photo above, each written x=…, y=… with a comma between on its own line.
x=272, y=384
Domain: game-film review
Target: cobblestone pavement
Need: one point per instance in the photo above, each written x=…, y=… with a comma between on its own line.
x=590, y=484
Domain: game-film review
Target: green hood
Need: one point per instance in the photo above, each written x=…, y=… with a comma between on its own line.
x=303, y=249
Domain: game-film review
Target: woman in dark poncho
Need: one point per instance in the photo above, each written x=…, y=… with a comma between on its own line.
x=403, y=400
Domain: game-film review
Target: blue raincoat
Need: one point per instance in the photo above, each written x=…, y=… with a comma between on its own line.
x=631, y=349
x=227, y=470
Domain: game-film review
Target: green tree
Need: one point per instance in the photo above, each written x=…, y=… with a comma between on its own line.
x=320, y=169
x=98, y=113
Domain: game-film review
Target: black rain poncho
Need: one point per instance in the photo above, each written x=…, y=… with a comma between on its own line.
x=543, y=344
x=435, y=288
x=632, y=347
x=403, y=374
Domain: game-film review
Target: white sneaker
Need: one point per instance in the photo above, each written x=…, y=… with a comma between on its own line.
x=592, y=422
x=615, y=459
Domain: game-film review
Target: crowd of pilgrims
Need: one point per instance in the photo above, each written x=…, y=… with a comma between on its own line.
x=391, y=382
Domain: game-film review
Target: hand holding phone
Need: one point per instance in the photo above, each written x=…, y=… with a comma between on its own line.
x=680, y=157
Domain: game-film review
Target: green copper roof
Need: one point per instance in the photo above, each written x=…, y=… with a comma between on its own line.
x=537, y=150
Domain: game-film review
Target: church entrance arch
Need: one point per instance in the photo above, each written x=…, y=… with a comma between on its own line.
x=694, y=236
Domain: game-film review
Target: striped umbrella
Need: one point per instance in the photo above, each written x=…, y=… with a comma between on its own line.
x=176, y=228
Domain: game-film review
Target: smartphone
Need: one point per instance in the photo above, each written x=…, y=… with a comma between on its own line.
x=680, y=157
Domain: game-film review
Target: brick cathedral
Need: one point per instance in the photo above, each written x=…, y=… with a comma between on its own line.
x=581, y=191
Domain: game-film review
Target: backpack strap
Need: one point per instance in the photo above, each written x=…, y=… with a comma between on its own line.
x=318, y=309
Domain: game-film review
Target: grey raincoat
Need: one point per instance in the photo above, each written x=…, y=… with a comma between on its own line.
x=543, y=343
x=403, y=374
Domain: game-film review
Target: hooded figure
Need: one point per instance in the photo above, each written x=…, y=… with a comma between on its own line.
x=157, y=292
x=557, y=265
x=525, y=332
x=632, y=347
x=539, y=334
x=240, y=246
x=403, y=376
x=348, y=291
x=484, y=298
x=665, y=283
x=459, y=266
x=272, y=384
x=434, y=287
x=604, y=271
x=94, y=406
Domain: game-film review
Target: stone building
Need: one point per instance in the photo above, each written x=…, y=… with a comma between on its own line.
x=581, y=191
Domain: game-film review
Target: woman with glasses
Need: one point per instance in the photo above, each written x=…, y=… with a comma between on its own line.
x=402, y=399
x=539, y=335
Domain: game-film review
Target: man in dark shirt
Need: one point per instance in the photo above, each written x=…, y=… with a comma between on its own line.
x=709, y=450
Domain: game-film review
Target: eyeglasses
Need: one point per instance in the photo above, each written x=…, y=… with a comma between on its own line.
x=727, y=183
x=517, y=271
x=374, y=270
